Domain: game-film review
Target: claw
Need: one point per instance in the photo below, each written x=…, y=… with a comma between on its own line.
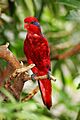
x=48, y=75
x=33, y=77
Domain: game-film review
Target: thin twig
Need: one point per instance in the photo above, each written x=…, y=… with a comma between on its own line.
x=21, y=70
x=26, y=78
x=31, y=94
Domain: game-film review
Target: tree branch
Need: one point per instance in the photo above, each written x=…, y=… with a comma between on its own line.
x=73, y=51
x=6, y=54
x=22, y=70
x=26, y=78
x=4, y=74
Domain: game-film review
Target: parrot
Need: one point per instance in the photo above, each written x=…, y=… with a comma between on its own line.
x=37, y=52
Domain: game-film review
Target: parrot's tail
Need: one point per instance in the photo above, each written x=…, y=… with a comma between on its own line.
x=45, y=88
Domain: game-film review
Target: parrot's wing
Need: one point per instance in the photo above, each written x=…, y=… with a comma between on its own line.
x=45, y=85
x=29, y=60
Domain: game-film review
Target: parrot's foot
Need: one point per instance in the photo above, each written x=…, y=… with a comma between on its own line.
x=48, y=75
x=33, y=77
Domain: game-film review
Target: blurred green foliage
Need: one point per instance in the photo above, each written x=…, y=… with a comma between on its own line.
x=60, y=21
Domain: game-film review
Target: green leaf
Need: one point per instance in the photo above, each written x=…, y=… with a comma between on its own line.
x=8, y=94
x=74, y=15
x=70, y=3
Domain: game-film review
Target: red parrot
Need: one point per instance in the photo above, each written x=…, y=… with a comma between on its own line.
x=37, y=52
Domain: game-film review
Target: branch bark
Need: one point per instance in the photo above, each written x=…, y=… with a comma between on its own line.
x=7, y=55
x=5, y=74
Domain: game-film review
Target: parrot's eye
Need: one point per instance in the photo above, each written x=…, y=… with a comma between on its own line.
x=32, y=22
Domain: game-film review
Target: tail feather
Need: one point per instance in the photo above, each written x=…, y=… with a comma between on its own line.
x=45, y=88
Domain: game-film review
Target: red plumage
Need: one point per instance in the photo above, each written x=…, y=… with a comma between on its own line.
x=37, y=51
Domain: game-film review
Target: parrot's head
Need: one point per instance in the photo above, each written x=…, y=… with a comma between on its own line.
x=32, y=25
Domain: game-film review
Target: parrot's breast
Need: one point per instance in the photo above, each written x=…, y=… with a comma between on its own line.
x=38, y=51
